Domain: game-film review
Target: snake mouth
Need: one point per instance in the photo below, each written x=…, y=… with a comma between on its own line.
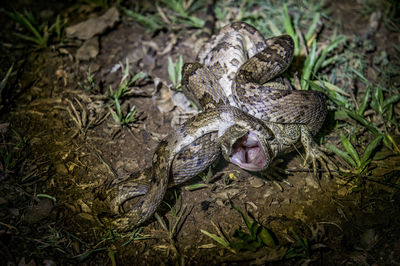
x=247, y=153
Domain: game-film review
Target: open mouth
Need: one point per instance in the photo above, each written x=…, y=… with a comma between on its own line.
x=247, y=153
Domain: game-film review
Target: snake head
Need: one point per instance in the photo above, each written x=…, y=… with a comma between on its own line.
x=249, y=152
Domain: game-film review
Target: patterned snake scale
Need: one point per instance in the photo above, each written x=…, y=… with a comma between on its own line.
x=248, y=116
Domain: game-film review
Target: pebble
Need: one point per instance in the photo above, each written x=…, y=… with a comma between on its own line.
x=268, y=194
x=256, y=182
x=84, y=207
x=311, y=182
x=86, y=216
x=220, y=203
x=342, y=191
x=89, y=49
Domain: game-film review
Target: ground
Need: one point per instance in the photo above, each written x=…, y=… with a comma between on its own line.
x=61, y=145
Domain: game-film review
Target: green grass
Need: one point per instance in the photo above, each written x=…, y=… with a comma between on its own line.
x=256, y=237
x=4, y=81
x=90, y=83
x=167, y=15
x=124, y=89
x=175, y=72
x=12, y=149
x=62, y=241
x=301, y=248
x=175, y=221
x=121, y=118
x=152, y=22
x=327, y=66
x=180, y=12
x=39, y=33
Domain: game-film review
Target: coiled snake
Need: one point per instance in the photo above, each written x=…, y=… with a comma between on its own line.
x=246, y=117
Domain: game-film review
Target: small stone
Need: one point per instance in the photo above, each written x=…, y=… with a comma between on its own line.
x=4, y=127
x=86, y=216
x=256, y=182
x=120, y=164
x=22, y=262
x=220, y=203
x=374, y=21
x=39, y=211
x=131, y=166
x=342, y=191
x=93, y=26
x=89, y=49
x=84, y=206
x=311, y=182
x=286, y=201
x=228, y=193
x=49, y=262
x=368, y=239
x=268, y=194
x=61, y=169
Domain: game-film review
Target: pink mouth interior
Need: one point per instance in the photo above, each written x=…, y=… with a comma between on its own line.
x=248, y=154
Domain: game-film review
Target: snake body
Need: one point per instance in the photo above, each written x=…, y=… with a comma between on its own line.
x=246, y=117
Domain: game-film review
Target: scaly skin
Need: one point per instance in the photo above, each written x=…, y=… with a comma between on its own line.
x=240, y=63
x=225, y=123
x=246, y=115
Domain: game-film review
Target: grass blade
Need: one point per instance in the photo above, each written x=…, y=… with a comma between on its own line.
x=245, y=217
x=364, y=101
x=171, y=71
x=393, y=99
x=218, y=239
x=361, y=76
x=308, y=66
x=350, y=149
x=342, y=154
x=178, y=68
x=371, y=127
x=370, y=148
x=5, y=79
x=322, y=61
x=313, y=26
x=290, y=30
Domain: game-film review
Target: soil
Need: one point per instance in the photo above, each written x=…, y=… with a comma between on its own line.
x=64, y=146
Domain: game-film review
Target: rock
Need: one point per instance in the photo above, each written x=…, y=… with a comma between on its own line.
x=311, y=182
x=220, y=203
x=374, y=21
x=94, y=26
x=89, y=50
x=228, y=193
x=368, y=239
x=84, y=207
x=342, y=191
x=162, y=98
x=268, y=193
x=86, y=216
x=4, y=127
x=256, y=182
x=61, y=169
x=23, y=262
x=38, y=212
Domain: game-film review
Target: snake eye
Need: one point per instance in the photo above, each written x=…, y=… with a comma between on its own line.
x=248, y=153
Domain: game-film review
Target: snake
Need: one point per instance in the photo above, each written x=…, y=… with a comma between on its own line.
x=249, y=116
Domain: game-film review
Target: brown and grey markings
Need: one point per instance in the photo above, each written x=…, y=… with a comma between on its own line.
x=231, y=82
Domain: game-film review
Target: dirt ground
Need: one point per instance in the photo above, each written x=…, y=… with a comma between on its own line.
x=63, y=145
